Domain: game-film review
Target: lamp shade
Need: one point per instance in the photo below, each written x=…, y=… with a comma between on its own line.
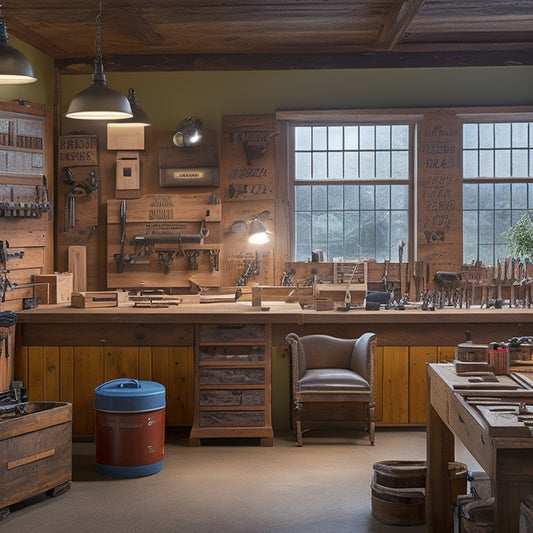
x=140, y=117
x=99, y=102
x=257, y=233
x=14, y=66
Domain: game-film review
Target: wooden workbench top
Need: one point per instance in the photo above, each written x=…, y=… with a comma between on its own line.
x=271, y=312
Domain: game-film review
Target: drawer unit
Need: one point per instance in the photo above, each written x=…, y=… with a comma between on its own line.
x=233, y=383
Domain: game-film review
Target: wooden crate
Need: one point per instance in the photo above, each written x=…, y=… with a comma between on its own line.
x=35, y=451
x=54, y=288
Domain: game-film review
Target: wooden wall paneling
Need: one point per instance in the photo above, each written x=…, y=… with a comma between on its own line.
x=419, y=356
x=66, y=373
x=446, y=354
x=440, y=190
x=379, y=384
x=121, y=362
x=248, y=175
x=238, y=254
x=145, y=363
x=35, y=384
x=281, y=387
x=51, y=373
x=395, y=384
x=78, y=185
x=160, y=374
x=21, y=361
x=88, y=374
x=180, y=394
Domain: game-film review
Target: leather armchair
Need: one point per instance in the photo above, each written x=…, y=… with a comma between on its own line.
x=329, y=370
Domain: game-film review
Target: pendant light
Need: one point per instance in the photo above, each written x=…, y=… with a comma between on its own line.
x=14, y=66
x=139, y=118
x=99, y=101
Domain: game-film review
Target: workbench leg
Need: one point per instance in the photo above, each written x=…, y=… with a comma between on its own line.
x=440, y=452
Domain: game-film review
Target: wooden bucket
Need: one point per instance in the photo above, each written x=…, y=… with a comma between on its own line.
x=399, y=507
x=398, y=490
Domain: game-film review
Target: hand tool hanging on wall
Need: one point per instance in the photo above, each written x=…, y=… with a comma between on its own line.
x=5, y=256
x=32, y=200
x=80, y=189
x=122, y=258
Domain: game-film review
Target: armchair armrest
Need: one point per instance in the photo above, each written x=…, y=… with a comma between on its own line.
x=363, y=357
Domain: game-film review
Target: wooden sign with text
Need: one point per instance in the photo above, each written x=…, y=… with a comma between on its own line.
x=440, y=206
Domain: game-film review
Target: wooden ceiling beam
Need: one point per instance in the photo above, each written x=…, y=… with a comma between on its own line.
x=398, y=20
x=241, y=62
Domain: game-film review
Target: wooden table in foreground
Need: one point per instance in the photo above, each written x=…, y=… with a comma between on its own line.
x=485, y=416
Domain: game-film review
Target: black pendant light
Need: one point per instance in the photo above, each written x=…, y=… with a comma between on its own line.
x=14, y=66
x=99, y=101
x=139, y=118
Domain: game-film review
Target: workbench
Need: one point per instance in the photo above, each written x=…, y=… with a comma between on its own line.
x=485, y=414
x=62, y=353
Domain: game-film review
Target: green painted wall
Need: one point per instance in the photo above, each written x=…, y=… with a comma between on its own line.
x=170, y=96
x=42, y=91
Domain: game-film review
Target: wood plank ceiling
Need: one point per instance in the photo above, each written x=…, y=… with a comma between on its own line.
x=282, y=34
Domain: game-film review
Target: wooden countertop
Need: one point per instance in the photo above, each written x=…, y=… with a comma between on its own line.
x=274, y=312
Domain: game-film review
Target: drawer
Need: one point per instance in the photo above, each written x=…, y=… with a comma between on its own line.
x=232, y=376
x=232, y=418
x=231, y=333
x=232, y=397
x=232, y=353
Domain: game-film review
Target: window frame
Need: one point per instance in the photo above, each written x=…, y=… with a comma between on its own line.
x=355, y=118
x=492, y=118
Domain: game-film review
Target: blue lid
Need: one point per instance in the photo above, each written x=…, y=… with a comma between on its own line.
x=129, y=395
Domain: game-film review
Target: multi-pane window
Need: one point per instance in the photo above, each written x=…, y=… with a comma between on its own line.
x=497, y=186
x=351, y=187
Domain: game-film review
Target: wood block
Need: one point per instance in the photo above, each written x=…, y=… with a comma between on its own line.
x=77, y=264
x=59, y=287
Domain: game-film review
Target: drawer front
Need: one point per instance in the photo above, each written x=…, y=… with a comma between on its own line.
x=232, y=418
x=232, y=353
x=232, y=376
x=230, y=397
x=229, y=333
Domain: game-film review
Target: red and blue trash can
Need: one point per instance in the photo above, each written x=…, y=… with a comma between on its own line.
x=130, y=427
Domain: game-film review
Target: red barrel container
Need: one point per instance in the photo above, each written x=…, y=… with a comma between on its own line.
x=130, y=427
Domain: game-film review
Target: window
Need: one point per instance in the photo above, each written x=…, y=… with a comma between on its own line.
x=497, y=186
x=351, y=190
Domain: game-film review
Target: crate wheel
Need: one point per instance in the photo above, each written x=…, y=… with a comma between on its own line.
x=3, y=513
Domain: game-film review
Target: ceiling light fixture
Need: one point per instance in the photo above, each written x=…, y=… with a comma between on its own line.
x=15, y=68
x=188, y=133
x=139, y=118
x=99, y=101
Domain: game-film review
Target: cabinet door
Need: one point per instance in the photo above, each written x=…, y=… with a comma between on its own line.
x=419, y=356
x=395, y=385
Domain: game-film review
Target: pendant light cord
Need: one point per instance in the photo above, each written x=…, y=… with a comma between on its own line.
x=97, y=42
x=99, y=75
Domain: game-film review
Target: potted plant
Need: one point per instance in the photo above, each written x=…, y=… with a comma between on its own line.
x=520, y=238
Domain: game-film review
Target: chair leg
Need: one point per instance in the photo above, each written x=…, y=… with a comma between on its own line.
x=371, y=425
x=299, y=436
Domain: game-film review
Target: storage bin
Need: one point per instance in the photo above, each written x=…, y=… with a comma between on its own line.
x=130, y=427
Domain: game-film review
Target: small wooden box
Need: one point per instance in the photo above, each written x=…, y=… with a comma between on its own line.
x=94, y=299
x=57, y=291
x=35, y=451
